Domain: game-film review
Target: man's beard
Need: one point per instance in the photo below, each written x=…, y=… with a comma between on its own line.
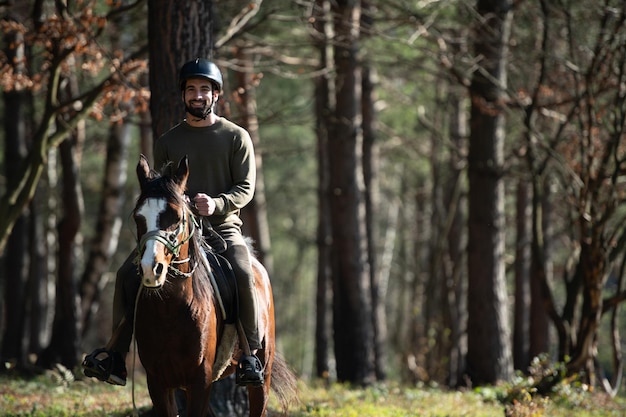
x=199, y=112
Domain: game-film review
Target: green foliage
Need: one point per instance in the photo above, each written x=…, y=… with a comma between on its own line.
x=548, y=391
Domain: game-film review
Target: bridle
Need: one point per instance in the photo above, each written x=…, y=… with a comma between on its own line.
x=169, y=239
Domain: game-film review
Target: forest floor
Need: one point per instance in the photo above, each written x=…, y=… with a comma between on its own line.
x=51, y=395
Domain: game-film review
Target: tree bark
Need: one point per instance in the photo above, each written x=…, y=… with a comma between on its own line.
x=456, y=288
x=179, y=31
x=521, y=359
x=17, y=250
x=324, y=91
x=371, y=156
x=38, y=295
x=65, y=339
x=352, y=304
x=489, y=345
x=539, y=342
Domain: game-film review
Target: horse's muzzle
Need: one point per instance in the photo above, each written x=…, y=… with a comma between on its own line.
x=153, y=276
x=154, y=265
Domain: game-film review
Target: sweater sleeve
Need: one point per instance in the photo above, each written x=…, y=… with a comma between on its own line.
x=243, y=173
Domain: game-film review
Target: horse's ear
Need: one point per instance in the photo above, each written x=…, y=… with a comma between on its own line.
x=143, y=170
x=182, y=172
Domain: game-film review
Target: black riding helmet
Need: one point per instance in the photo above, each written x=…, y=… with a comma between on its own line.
x=203, y=68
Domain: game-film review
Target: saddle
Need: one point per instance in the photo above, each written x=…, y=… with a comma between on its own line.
x=225, y=285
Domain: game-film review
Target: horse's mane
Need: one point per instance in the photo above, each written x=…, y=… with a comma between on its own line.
x=161, y=184
x=200, y=281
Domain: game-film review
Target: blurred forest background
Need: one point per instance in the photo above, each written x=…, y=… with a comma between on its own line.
x=441, y=183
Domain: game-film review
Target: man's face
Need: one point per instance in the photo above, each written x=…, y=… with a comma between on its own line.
x=199, y=97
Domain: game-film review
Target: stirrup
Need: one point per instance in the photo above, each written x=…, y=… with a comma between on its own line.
x=249, y=371
x=111, y=369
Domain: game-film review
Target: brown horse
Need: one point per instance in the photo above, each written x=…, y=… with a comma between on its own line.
x=182, y=338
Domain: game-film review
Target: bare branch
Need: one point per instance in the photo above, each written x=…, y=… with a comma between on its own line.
x=239, y=22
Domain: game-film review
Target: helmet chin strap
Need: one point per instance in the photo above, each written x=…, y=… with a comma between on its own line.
x=203, y=115
x=206, y=113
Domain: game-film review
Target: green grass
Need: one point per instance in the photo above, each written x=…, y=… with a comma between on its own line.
x=388, y=401
x=394, y=401
x=50, y=395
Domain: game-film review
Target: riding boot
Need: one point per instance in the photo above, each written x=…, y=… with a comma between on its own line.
x=250, y=369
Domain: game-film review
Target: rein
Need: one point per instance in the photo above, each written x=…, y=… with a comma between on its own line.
x=169, y=240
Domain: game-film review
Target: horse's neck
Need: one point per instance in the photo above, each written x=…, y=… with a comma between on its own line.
x=182, y=290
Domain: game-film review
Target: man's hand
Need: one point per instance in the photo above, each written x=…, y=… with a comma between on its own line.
x=204, y=204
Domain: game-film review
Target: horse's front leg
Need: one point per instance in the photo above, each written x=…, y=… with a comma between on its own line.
x=198, y=401
x=163, y=401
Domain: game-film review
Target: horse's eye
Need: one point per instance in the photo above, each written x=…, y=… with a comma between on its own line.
x=172, y=237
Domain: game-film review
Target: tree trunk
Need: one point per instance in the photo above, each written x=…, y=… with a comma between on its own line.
x=436, y=315
x=16, y=256
x=38, y=294
x=17, y=250
x=146, y=139
x=179, y=31
x=456, y=288
x=371, y=156
x=324, y=91
x=521, y=359
x=593, y=264
x=489, y=345
x=65, y=340
x=254, y=214
x=354, y=338
x=415, y=254
x=109, y=221
x=539, y=343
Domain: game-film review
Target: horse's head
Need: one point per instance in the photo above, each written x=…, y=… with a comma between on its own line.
x=164, y=224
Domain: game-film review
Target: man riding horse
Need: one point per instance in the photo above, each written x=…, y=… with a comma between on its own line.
x=221, y=182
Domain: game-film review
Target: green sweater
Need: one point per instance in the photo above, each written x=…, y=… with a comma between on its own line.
x=221, y=165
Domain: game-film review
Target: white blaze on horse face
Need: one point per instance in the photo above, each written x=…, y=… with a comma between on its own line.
x=152, y=260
